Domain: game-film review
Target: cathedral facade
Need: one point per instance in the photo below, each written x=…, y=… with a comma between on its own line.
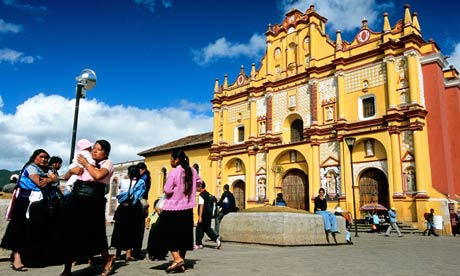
x=372, y=121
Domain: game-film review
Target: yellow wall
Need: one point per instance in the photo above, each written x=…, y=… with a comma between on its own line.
x=303, y=73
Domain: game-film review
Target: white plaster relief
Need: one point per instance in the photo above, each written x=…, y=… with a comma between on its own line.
x=327, y=89
x=374, y=74
x=234, y=178
x=359, y=167
x=238, y=111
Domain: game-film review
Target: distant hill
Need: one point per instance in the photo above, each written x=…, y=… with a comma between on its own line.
x=5, y=177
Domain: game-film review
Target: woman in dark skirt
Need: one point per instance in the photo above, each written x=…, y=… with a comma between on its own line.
x=22, y=236
x=155, y=247
x=176, y=218
x=128, y=216
x=85, y=210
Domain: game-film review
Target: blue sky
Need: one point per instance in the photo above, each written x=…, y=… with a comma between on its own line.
x=156, y=63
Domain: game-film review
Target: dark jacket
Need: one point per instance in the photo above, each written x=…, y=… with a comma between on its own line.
x=229, y=206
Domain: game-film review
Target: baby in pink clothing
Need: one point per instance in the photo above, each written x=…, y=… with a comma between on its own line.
x=84, y=148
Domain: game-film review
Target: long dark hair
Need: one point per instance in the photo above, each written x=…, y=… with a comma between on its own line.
x=185, y=164
x=105, y=145
x=34, y=155
x=133, y=174
x=142, y=166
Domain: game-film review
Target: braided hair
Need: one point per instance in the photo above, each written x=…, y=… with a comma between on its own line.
x=185, y=164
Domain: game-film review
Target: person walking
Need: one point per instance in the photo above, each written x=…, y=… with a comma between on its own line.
x=204, y=220
x=227, y=204
x=393, y=225
x=128, y=218
x=85, y=210
x=430, y=224
x=175, y=229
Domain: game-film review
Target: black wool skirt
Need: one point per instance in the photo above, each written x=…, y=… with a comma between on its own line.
x=17, y=231
x=128, y=226
x=175, y=230
x=85, y=226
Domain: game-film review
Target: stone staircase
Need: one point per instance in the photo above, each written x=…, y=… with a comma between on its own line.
x=364, y=227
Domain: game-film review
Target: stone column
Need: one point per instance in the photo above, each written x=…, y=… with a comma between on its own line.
x=396, y=177
x=216, y=129
x=224, y=124
x=391, y=82
x=414, y=88
x=341, y=95
x=253, y=117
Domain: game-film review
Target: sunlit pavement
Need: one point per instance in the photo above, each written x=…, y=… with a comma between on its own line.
x=371, y=254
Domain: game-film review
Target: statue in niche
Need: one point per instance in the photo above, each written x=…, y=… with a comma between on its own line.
x=262, y=128
x=331, y=183
x=402, y=70
x=369, y=148
x=261, y=189
x=410, y=180
x=329, y=111
x=238, y=165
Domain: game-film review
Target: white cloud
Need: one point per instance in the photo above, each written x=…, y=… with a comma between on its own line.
x=13, y=56
x=151, y=4
x=222, y=48
x=31, y=9
x=198, y=107
x=6, y=27
x=344, y=15
x=46, y=122
x=454, y=58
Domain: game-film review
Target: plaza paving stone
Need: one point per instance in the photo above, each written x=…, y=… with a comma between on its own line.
x=371, y=254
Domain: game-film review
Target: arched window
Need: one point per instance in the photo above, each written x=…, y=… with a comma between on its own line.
x=297, y=131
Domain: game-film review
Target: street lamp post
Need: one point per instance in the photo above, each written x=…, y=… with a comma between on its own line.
x=85, y=81
x=351, y=143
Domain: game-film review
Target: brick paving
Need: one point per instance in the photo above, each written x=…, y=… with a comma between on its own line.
x=371, y=254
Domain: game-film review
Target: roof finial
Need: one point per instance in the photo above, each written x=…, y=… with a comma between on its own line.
x=386, y=23
x=407, y=18
x=415, y=23
x=253, y=71
x=225, y=81
x=338, y=41
x=216, y=86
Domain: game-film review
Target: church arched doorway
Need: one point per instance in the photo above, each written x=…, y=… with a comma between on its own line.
x=239, y=194
x=373, y=187
x=295, y=189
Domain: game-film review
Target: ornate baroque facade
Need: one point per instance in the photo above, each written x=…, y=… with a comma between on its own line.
x=282, y=128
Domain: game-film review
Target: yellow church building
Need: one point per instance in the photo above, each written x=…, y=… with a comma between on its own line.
x=372, y=121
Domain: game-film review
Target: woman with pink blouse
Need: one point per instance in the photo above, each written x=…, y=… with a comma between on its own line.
x=176, y=218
